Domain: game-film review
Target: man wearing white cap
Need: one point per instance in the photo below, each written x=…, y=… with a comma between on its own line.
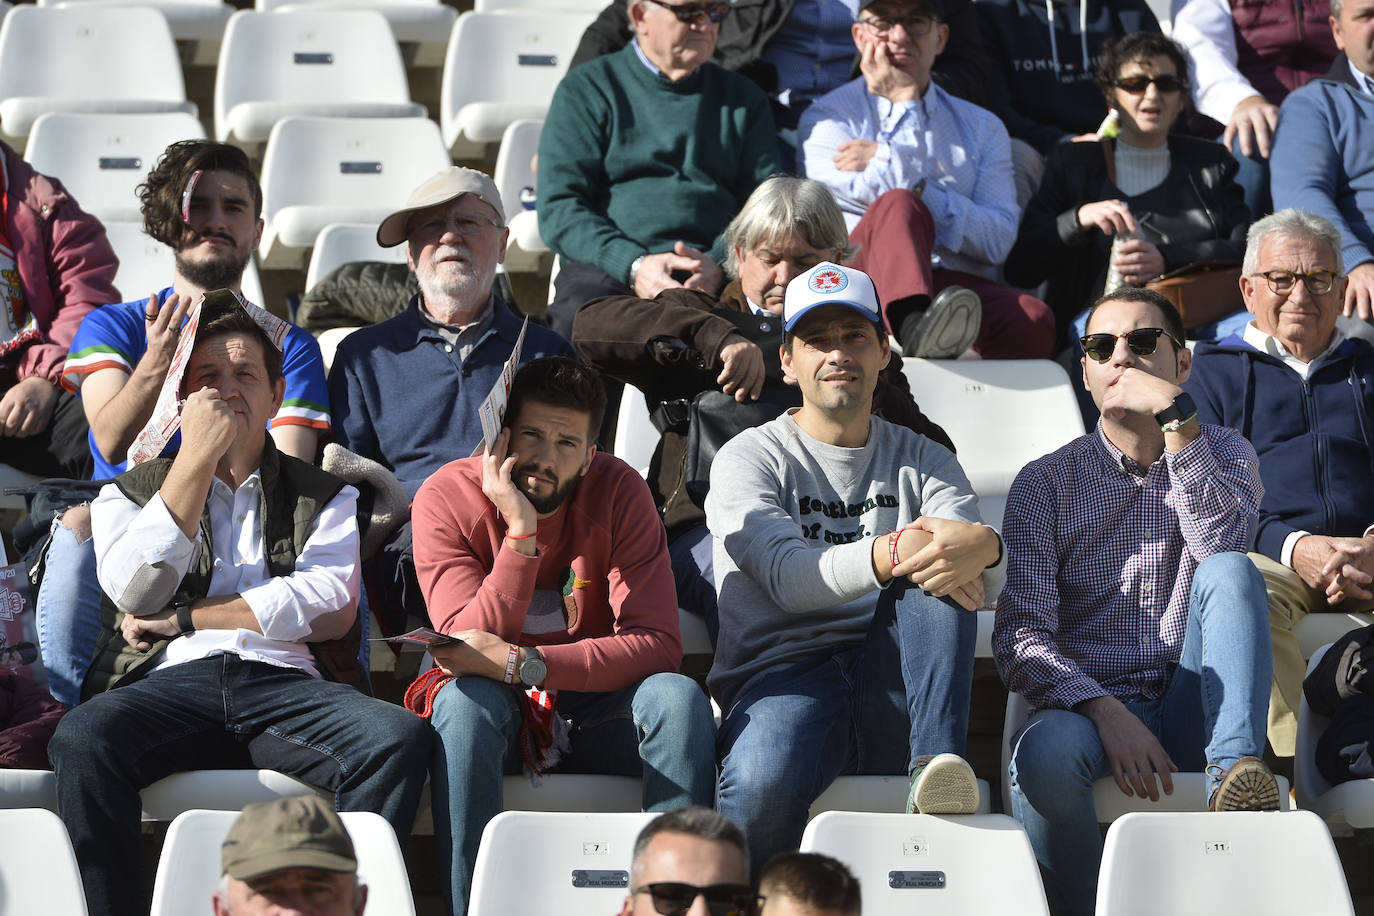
x=405, y=392
x=848, y=551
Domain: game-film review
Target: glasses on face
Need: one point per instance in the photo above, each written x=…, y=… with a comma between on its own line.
x=1282, y=282
x=465, y=225
x=1137, y=84
x=1141, y=341
x=672, y=898
x=691, y=12
x=917, y=25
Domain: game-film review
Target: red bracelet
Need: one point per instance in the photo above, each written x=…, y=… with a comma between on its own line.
x=521, y=537
x=510, y=663
x=892, y=540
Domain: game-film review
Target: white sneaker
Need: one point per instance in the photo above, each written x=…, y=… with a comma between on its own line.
x=943, y=784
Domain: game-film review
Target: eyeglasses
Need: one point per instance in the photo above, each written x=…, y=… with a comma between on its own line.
x=1137, y=84
x=466, y=226
x=917, y=25
x=691, y=12
x=1282, y=282
x=1142, y=342
x=672, y=898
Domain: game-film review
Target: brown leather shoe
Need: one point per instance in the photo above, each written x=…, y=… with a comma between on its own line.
x=1247, y=786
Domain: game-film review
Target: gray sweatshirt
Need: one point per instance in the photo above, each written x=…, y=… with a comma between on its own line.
x=791, y=519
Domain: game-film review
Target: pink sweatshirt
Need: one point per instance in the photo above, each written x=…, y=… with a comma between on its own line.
x=598, y=598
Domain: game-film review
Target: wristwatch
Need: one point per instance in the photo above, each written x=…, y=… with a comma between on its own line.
x=532, y=669
x=634, y=271
x=182, y=606
x=1176, y=414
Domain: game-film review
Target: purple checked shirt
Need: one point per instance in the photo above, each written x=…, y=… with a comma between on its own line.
x=1100, y=560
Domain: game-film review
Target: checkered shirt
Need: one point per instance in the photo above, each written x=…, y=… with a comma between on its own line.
x=1101, y=556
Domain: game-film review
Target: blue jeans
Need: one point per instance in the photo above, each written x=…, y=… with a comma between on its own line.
x=68, y=613
x=690, y=553
x=223, y=712
x=870, y=708
x=1253, y=177
x=1213, y=711
x=660, y=728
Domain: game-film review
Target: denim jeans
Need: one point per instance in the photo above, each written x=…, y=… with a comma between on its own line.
x=871, y=708
x=223, y=712
x=660, y=728
x=68, y=613
x=690, y=553
x=1213, y=711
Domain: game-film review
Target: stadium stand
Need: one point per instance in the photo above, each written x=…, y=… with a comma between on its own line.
x=526, y=251
x=423, y=24
x=37, y=866
x=199, y=23
x=102, y=158
x=145, y=265
x=325, y=63
x=344, y=243
x=933, y=865
x=77, y=60
x=317, y=171
x=1347, y=806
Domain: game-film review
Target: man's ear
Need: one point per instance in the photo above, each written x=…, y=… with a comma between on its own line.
x=278, y=394
x=1247, y=291
x=785, y=355
x=942, y=40
x=1185, y=364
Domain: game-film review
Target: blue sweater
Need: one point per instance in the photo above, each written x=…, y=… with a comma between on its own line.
x=402, y=397
x=1323, y=158
x=1313, y=437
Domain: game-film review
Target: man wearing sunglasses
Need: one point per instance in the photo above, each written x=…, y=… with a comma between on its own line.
x=690, y=862
x=1303, y=393
x=1125, y=546
x=925, y=182
x=645, y=156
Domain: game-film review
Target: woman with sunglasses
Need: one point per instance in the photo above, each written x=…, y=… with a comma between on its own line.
x=1173, y=199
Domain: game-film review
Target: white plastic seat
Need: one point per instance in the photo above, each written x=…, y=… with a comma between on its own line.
x=82, y=60
x=1317, y=630
x=1190, y=789
x=635, y=435
x=555, y=862
x=507, y=6
x=198, y=21
x=1000, y=414
x=1253, y=862
x=102, y=158
x=146, y=265
x=423, y=23
x=317, y=171
x=27, y=788
x=1343, y=806
x=878, y=795
x=919, y=863
x=38, y=872
x=327, y=63
x=514, y=171
x=344, y=243
x=188, y=871
x=220, y=790
x=500, y=68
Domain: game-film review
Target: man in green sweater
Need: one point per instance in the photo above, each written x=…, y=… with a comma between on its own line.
x=645, y=156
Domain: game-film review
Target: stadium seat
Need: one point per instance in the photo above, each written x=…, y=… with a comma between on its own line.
x=635, y=435
x=1317, y=630
x=318, y=171
x=555, y=862
x=1000, y=414
x=543, y=6
x=426, y=24
x=1190, y=789
x=221, y=790
x=102, y=158
x=200, y=22
x=936, y=866
x=326, y=63
x=145, y=265
x=28, y=788
x=80, y=60
x=344, y=243
x=878, y=795
x=1260, y=863
x=1343, y=806
x=500, y=68
x=188, y=871
x=514, y=171
x=38, y=871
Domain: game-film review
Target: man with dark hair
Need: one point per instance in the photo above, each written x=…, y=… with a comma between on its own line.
x=686, y=855
x=549, y=565
x=808, y=884
x=56, y=265
x=848, y=554
x=230, y=579
x=203, y=201
x=1125, y=547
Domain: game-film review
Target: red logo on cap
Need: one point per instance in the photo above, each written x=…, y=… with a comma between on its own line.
x=828, y=281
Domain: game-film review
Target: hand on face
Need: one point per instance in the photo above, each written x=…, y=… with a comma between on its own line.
x=881, y=71
x=1138, y=392
x=209, y=424
x=498, y=486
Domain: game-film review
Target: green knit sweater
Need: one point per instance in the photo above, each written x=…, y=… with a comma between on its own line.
x=630, y=161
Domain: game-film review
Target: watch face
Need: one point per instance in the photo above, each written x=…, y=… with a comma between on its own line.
x=532, y=672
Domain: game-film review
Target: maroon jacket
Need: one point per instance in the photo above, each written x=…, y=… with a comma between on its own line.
x=66, y=265
x=28, y=717
x=669, y=348
x=1280, y=46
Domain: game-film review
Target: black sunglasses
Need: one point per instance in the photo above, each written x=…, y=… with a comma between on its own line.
x=1142, y=342
x=690, y=12
x=672, y=898
x=1139, y=83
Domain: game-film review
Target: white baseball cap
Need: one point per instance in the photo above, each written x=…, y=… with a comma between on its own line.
x=830, y=284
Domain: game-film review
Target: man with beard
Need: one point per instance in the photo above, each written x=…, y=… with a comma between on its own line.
x=405, y=392
x=203, y=201
x=549, y=565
